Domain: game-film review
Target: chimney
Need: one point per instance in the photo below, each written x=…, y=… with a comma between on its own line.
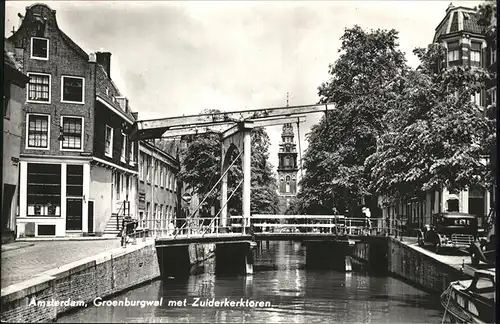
x=104, y=58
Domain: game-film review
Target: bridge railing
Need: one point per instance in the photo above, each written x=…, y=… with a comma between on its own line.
x=333, y=224
x=328, y=224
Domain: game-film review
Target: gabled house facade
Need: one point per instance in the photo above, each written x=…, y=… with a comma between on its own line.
x=78, y=169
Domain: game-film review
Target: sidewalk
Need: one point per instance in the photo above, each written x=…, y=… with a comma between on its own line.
x=15, y=246
x=29, y=261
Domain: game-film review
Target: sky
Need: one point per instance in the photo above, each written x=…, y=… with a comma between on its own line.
x=180, y=57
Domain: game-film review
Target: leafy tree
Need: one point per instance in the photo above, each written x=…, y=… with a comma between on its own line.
x=435, y=135
x=361, y=83
x=201, y=169
x=487, y=14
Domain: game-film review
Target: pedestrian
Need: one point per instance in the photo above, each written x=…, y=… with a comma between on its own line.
x=125, y=221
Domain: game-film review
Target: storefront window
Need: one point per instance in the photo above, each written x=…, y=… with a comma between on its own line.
x=44, y=190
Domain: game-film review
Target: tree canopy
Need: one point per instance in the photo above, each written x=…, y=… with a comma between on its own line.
x=436, y=136
x=359, y=87
x=201, y=169
x=396, y=131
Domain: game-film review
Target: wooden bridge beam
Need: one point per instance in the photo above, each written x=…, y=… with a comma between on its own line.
x=155, y=128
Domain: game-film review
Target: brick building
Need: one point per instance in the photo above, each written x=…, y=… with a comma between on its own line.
x=467, y=45
x=13, y=102
x=158, y=193
x=78, y=170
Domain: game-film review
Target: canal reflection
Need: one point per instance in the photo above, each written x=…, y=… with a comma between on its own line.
x=296, y=295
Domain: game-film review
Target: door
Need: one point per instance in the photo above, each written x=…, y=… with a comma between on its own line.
x=74, y=201
x=74, y=214
x=91, y=216
x=8, y=194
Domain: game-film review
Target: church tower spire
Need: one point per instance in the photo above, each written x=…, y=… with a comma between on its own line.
x=287, y=165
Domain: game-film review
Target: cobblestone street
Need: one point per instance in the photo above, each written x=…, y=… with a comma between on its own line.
x=25, y=263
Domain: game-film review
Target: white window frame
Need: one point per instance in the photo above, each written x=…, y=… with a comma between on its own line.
x=110, y=154
x=141, y=166
x=476, y=98
x=28, y=89
x=27, y=132
x=83, y=89
x=131, y=154
x=148, y=162
x=123, y=154
x=81, y=141
x=457, y=52
x=31, y=49
x=161, y=176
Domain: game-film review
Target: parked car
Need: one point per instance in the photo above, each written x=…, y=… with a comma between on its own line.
x=449, y=230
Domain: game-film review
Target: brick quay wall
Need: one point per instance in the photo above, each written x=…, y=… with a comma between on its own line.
x=103, y=275
x=424, y=270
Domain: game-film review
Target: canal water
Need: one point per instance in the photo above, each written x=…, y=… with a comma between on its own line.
x=291, y=293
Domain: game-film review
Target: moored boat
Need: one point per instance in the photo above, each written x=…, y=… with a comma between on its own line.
x=471, y=301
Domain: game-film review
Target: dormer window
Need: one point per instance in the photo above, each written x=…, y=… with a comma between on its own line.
x=39, y=48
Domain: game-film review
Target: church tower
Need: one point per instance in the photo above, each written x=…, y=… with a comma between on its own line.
x=287, y=167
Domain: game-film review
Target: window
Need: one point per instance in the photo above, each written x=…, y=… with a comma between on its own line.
x=38, y=131
x=72, y=133
x=108, y=148
x=6, y=99
x=148, y=167
x=141, y=166
x=39, y=88
x=493, y=54
x=287, y=189
x=155, y=173
x=161, y=176
x=132, y=154
x=39, y=48
x=453, y=53
x=74, y=180
x=475, y=54
x=453, y=205
x=476, y=98
x=43, y=190
x=124, y=147
x=72, y=89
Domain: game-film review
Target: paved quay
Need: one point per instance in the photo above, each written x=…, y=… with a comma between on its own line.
x=460, y=262
x=29, y=261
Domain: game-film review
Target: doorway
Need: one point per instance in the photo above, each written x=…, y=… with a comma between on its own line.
x=90, y=220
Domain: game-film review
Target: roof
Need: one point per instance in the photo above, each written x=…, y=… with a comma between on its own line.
x=10, y=60
x=458, y=19
x=13, y=66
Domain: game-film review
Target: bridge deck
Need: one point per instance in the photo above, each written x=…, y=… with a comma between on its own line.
x=218, y=238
